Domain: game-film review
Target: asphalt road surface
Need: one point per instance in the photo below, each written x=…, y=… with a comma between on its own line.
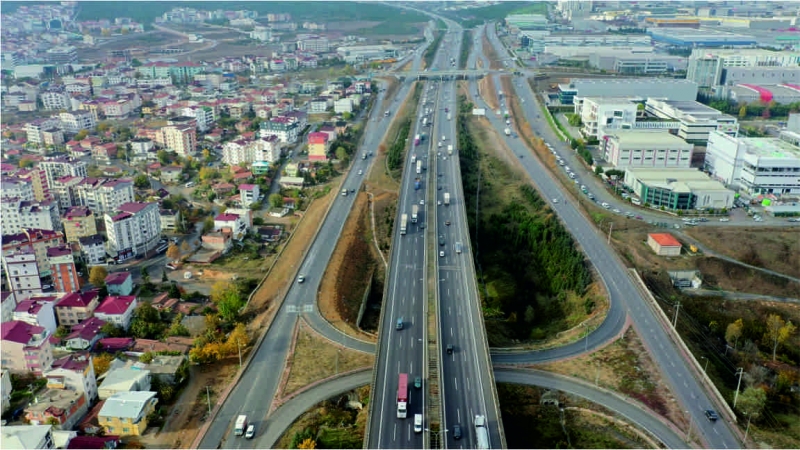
x=622, y=290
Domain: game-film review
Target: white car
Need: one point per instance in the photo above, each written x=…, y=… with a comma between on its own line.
x=605, y=205
x=251, y=431
x=724, y=219
x=301, y=278
x=555, y=200
x=360, y=172
x=441, y=253
x=422, y=202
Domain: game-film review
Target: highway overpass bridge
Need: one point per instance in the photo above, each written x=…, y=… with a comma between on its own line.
x=439, y=75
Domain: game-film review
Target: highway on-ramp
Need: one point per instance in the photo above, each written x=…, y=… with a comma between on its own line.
x=625, y=297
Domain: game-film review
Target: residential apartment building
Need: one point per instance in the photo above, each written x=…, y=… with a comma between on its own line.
x=35, y=130
x=315, y=44
x=15, y=188
x=125, y=413
x=73, y=122
x=267, y=149
x=248, y=194
x=606, y=113
x=57, y=166
x=75, y=307
x=62, y=408
x=181, y=139
x=62, y=265
x=93, y=250
x=343, y=105
x=28, y=436
x=54, y=100
x=22, y=272
x=74, y=372
x=84, y=335
x=282, y=127
x=8, y=304
x=17, y=215
x=78, y=222
x=633, y=148
x=38, y=180
x=104, y=195
x=318, y=146
x=25, y=348
x=203, y=115
x=133, y=229
x=124, y=379
x=38, y=310
x=697, y=120
x=117, y=310
x=237, y=152
x=755, y=165
x=38, y=241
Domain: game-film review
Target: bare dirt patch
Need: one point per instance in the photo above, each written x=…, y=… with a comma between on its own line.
x=315, y=358
x=487, y=90
x=491, y=54
x=353, y=264
x=775, y=249
x=190, y=410
x=625, y=366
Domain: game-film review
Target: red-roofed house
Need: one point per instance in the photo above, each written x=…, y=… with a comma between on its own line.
x=38, y=311
x=75, y=307
x=233, y=223
x=113, y=345
x=318, y=144
x=664, y=244
x=117, y=310
x=25, y=347
x=94, y=442
x=85, y=334
x=75, y=372
x=119, y=283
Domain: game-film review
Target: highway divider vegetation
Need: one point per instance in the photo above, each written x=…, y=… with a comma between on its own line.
x=466, y=44
x=430, y=52
x=533, y=281
x=396, y=155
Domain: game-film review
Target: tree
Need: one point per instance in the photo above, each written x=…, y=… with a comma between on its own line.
x=147, y=358
x=766, y=114
x=276, y=200
x=308, y=443
x=208, y=173
x=146, y=322
x=185, y=247
x=81, y=135
x=25, y=163
x=111, y=330
x=97, y=276
x=228, y=300
x=163, y=157
x=752, y=402
x=778, y=331
x=208, y=225
x=101, y=363
x=173, y=252
x=598, y=170
x=743, y=112
x=347, y=115
x=164, y=277
x=176, y=328
x=341, y=153
x=141, y=181
x=145, y=275
x=237, y=338
x=734, y=332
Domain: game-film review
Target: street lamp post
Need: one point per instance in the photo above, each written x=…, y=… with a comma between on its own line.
x=689, y=431
x=747, y=429
x=705, y=368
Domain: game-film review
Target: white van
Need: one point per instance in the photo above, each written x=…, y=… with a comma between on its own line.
x=417, y=423
x=190, y=184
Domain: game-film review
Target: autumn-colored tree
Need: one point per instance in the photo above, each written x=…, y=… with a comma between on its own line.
x=308, y=444
x=185, y=247
x=778, y=331
x=81, y=135
x=752, y=402
x=101, y=363
x=227, y=298
x=173, y=252
x=743, y=112
x=97, y=276
x=237, y=338
x=734, y=332
x=206, y=353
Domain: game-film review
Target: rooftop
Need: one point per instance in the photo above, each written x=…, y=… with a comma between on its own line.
x=126, y=404
x=636, y=137
x=133, y=207
x=86, y=330
x=117, y=278
x=677, y=180
x=77, y=362
x=77, y=299
x=115, y=304
x=54, y=401
x=23, y=436
x=665, y=239
x=771, y=148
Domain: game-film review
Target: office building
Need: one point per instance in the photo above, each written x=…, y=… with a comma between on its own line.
x=657, y=149
x=697, y=119
x=678, y=189
x=754, y=165
x=606, y=113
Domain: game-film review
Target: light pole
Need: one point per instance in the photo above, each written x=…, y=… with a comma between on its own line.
x=586, y=344
x=208, y=398
x=747, y=429
x=239, y=346
x=689, y=431
x=705, y=368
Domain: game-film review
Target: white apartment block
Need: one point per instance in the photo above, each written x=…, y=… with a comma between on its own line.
x=314, y=45
x=73, y=122
x=754, y=165
x=203, y=115
x=22, y=273
x=60, y=166
x=104, y=195
x=18, y=214
x=634, y=148
x=343, y=105
x=53, y=100
x=35, y=130
x=697, y=120
x=237, y=152
x=15, y=188
x=133, y=229
x=606, y=113
x=267, y=149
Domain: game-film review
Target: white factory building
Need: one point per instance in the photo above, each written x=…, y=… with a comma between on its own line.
x=755, y=165
x=652, y=148
x=599, y=114
x=362, y=53
x=678, y=189
x=696, y=119
x=579, y=88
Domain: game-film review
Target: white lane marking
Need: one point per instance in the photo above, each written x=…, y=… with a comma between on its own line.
x=467, y=383
x=458, y=415
x=455, y=382
x=411, y=370
x=394, y=432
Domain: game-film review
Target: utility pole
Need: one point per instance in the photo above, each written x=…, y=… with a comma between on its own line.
x=739, y=372
x=208, y=398
x=746, y=430
x=239, y=346
x=705, y=368
x=689, y=432
x=677, y=308
x=610, y=227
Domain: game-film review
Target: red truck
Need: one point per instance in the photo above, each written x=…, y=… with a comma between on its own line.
x=402, y=396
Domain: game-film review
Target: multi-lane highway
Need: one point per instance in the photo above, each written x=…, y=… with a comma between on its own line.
x=467, y=385
x=622, y=290
x=258, y=385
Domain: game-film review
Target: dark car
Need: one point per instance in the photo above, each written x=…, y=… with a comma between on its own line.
x=399, y=325
x=447, y=223
x=712, y=415
x=456, y=431
x=441, y=239
x=450, y=349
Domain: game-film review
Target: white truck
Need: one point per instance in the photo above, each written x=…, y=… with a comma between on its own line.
x=344, y=192
x=414, y=213
x=481, y=434
x=446, y=199
x=413, y=158
x=450, y=149
x=240, y=426
x=403, y=223
x=449, y=116
x=507, y=131
x=419, y=166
